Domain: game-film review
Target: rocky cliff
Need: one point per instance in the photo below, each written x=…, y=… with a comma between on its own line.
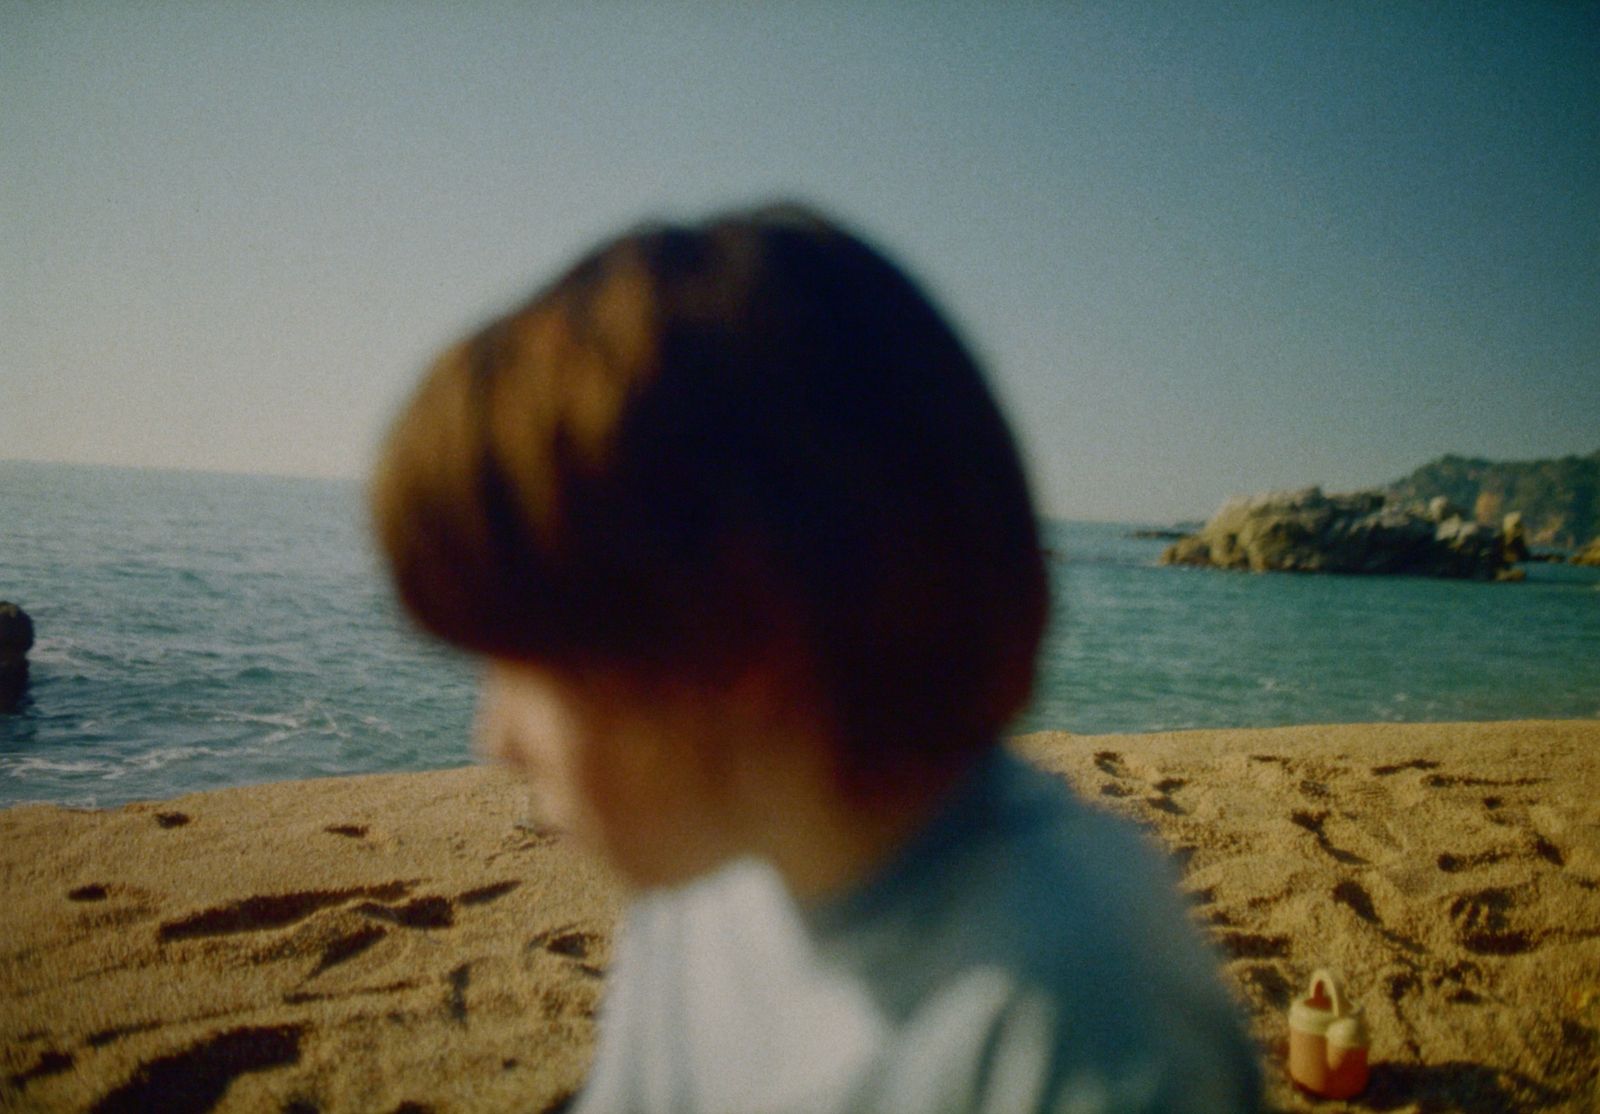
x=1559, y=499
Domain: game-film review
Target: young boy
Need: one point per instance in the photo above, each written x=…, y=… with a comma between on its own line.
x=745, y=543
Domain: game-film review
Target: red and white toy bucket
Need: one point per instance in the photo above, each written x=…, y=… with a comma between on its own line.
x=1327, y=1041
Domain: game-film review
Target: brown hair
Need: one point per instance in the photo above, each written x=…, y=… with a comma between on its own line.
x=701, y=441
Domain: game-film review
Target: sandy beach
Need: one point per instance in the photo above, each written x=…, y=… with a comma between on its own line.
x=404, y=943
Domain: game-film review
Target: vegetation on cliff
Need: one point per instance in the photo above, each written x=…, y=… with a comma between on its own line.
x=1559, y=499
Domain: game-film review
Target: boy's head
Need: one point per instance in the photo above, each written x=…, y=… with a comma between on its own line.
x=705, y=449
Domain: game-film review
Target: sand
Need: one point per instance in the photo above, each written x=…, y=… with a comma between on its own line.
x=399, y=942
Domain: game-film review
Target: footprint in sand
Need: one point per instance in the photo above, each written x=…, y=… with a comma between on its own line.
x=1267, y=984
x=269, y=911
x=1110, y=763
x=1414, y=764
x=1253, y=945
x=569, y=943
x=1313, y=822
x=109, y=904
x=49, y=1063
x=1202, y=900
x=1355, y=896
x=1548, y=851
x=1313, y=788
x=1452, y=864
x=1482, y=926
x=525, y=835
x=1535, y=846
x=1162, y=798
x=485, y=894
x=1461, y=974
x=422, y=912
x=457, y=1002
x=103, y=1037
x=202, y=1073
x=344, y=948
x=1452, y=781
x=575, y=945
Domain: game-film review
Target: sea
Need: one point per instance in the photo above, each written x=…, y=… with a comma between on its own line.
x=196, y=631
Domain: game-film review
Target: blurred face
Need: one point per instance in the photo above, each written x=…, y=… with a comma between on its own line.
x=634, y=777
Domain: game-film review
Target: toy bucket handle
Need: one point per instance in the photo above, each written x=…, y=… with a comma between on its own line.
x=1332, y=989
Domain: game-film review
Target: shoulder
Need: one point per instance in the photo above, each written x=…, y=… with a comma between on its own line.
x=713, y=987
x=984, y=1044
x=1043, y=885
x=1116, y=982
x=1059, y=970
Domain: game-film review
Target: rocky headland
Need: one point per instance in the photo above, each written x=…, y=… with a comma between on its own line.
x=1367, y=532
x=1558, y=497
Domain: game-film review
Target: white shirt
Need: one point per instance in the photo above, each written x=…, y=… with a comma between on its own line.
x=1023, y=953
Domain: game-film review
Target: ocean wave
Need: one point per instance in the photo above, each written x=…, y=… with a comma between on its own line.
x=160, y=757
x=311, y=719
x=265, y=719
x=55, y=660
x=54, y=651
x=378, y=725
x=26, y=766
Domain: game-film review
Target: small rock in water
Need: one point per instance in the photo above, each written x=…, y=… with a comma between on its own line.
x=16, y=639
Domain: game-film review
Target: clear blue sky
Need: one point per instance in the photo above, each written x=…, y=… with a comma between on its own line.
x=1203, y=248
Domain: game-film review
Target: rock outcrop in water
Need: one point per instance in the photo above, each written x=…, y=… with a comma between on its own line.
x=1364, y=532
x=1588, y=555
x=16, y=639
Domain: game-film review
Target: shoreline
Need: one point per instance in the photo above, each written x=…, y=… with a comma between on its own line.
x=361, y=942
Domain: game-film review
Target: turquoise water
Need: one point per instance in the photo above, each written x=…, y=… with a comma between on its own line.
x=1140, y=647
x=197, y=631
